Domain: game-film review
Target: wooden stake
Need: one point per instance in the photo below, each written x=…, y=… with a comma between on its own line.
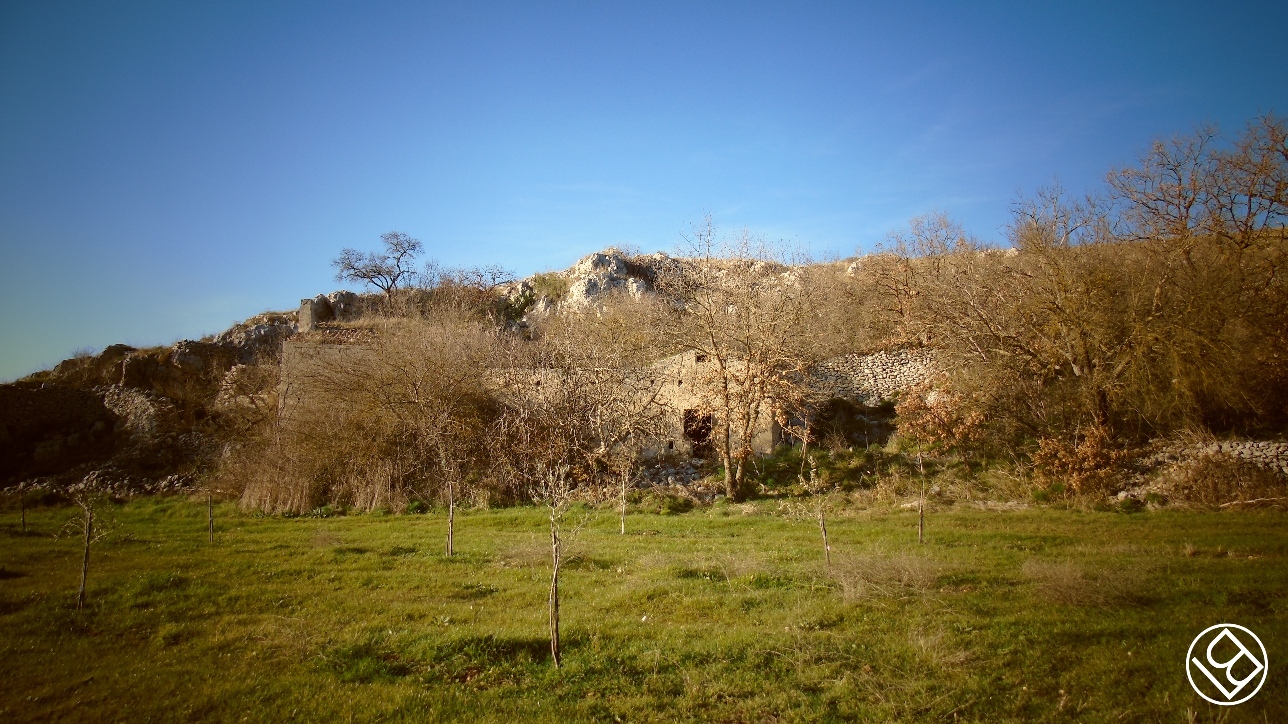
x=827, y=549
x=89, y=533
x=451, y=519
x=554, y=590
x=921, y=503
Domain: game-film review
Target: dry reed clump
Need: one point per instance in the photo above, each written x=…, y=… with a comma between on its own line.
x=324, y=462
x=878, y=574
x=1068, y=584
x=1219, y=480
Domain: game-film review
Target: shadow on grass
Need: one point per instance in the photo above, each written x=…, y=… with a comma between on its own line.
x=366, y=662
x=459, y=659
x=490, y=651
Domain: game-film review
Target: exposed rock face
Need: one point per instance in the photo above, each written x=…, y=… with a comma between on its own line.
x=258, y=337
x=340, y=306
x=139, y=415
x=599, y=273
x=187, y=371
x=345, y=306
x=201, y=358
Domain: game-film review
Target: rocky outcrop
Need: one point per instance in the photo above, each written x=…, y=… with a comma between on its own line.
x=601, y=273
x=586, y=283
x=259, y=337
x=340, y=306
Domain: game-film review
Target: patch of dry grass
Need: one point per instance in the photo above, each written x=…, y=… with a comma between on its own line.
x=877, y=574
x=1070, y=584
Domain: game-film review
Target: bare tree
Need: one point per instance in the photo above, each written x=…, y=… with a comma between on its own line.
x=90, y=528
x=799, y=405
x=1199, y=185
x=430, y=380
x=556, y=493
x=388, y=271
x=921, y=500
x=1102, y=327
x=744, y=313
x=626, y=472
x=569, y=417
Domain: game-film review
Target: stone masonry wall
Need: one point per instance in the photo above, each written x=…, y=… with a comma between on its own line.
x=874, y=378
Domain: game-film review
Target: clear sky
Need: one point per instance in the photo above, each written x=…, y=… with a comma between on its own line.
x=169, y=168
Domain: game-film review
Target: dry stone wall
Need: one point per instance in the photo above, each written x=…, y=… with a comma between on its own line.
x=1267, y=454
x=872, y=379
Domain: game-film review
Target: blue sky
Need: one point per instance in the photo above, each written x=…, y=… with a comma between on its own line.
x=169, y=168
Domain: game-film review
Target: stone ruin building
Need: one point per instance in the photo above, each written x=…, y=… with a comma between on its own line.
x=853, y=394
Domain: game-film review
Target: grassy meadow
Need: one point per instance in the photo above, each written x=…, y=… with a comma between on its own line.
x=726, y=613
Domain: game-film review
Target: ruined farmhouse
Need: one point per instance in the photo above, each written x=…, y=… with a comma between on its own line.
x=852, y=395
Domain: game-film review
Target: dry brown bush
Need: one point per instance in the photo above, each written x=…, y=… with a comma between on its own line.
x=400, y=416
x=937, y=414
x=1144, y=315
x=1089, y=462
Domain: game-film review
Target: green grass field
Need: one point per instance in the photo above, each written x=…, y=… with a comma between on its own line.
x=719, y=614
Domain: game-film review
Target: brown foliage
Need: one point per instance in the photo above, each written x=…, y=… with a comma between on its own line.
x=940, y=415
x=1167, y=314
x=1089, y=463
x=396, y=418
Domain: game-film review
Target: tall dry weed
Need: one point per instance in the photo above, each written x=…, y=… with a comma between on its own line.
x=1069, y=584
x=880, y=575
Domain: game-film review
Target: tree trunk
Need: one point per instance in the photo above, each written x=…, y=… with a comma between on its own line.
x=210, y=516
x=625, y=480
x=731, y=486
x=451, y=519
x=89, y=536
x=554, y=591
x=921, y=502
x=921, y=516
x=822, y=526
